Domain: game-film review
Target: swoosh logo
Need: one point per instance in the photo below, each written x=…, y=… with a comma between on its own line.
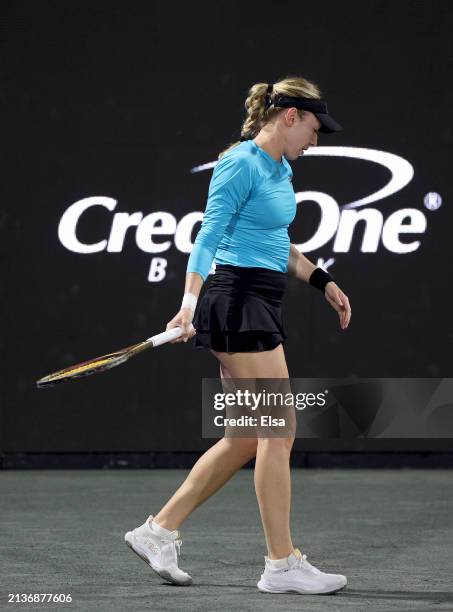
x=401, y=171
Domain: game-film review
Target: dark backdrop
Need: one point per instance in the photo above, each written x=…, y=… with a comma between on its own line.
x=122, y=101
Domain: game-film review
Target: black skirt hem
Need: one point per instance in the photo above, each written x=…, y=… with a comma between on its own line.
x=249, y=341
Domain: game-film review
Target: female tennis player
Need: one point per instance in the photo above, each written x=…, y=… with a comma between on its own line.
x=250, y=206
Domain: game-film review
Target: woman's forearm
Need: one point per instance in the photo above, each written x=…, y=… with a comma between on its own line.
x=298, y=265
x=193, y=284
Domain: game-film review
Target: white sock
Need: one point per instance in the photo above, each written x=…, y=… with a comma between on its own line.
x=159, y=530
x=278, y=563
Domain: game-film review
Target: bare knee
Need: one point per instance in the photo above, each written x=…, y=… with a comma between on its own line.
x=246, y=447
x=275, y=444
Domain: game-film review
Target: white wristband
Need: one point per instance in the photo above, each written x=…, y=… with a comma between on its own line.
x=189, y=301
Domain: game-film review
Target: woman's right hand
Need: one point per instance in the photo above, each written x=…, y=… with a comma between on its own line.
x=183, y=319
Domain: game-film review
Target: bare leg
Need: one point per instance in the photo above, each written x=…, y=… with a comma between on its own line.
x=273, y=490
x=212, y=470
x=272, y=470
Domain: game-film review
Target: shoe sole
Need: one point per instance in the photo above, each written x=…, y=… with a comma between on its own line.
x=264, y=589
x=160, y=572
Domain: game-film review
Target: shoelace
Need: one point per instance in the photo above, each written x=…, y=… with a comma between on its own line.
x=302, y=562
x=177, y=543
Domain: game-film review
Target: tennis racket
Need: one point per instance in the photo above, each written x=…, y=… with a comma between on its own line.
x=105, y=362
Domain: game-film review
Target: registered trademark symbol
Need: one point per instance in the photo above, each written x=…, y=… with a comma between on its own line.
x=432, y=200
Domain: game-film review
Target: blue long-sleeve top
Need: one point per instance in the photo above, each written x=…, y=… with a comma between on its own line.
x=251, y=203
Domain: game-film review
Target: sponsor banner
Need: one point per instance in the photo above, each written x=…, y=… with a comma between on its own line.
x=158, y=232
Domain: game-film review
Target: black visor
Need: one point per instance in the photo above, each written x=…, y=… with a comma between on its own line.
x=317, y=107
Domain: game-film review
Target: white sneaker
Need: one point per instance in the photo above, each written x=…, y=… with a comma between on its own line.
x=298, y=576
x=158, y=551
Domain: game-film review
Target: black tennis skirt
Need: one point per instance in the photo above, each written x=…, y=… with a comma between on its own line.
x=240, y=311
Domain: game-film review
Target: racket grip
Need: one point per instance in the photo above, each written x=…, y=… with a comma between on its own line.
x=166, y=336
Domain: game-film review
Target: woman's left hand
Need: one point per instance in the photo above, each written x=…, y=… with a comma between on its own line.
x=339, y=301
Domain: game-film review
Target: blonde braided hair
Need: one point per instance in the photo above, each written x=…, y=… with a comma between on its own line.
x=259, y=107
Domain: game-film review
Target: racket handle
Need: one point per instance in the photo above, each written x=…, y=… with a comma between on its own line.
x=166, y=336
